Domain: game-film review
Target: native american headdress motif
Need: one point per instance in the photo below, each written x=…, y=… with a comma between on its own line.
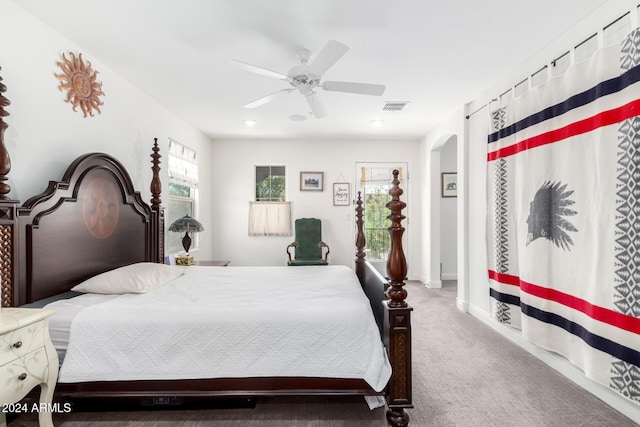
x=547, y=212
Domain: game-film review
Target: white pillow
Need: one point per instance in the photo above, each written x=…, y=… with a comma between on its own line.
x=135, y=278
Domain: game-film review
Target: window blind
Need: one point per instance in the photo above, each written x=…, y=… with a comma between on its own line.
x=378, y=175
x=183, y=164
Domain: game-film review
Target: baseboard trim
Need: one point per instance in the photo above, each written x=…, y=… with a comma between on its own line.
x=449, y=276
x=563, y=366
x=434, y=284
x=462, y=305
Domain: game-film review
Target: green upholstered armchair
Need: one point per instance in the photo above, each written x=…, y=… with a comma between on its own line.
x=308, y=244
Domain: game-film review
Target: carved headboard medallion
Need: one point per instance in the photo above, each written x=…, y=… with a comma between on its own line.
x=101, y=208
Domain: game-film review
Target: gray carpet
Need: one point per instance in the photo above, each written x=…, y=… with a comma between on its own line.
x=465, y=374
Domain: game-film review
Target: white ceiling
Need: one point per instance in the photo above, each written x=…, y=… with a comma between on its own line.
x=435, y=55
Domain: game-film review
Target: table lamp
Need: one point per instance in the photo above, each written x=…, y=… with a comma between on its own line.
x=188, y=225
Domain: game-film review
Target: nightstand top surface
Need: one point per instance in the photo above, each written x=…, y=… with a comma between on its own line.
x=212, y=263
x=12, y=318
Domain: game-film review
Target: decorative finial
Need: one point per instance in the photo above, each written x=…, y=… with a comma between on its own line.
x=396, y=263
x=156, y=185
x=5, y=161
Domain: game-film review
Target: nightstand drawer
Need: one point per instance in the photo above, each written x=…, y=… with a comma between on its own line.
x=21, y=341
x=27, y=358
x=22, y=374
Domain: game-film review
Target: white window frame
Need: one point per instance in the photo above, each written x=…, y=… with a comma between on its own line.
x=183, y=170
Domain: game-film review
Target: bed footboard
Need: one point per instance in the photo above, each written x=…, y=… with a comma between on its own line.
x=374, y=286
x=388, y=302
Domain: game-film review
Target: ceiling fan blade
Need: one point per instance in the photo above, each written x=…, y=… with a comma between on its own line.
x=259, y=70
x=361, y=88
x=265, y=99
x=317, y=108
x=328, y=56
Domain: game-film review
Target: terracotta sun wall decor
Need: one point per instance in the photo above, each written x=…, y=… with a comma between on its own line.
x=79, y=80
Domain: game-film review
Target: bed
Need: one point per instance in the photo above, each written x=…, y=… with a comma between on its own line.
x=96, y=195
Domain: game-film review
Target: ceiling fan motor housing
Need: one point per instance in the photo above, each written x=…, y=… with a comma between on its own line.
x=300, y=78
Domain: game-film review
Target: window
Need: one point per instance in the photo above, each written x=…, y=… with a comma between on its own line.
x=375, y=183
x=270, y=184
x=183, y=187
x=270, y=214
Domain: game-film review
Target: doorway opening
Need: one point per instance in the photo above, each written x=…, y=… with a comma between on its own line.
x=443, y=212
x=374, y=182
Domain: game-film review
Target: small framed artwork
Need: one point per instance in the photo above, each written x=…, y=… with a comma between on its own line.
x=311, y=181
x=341, y=194
x=449, y=184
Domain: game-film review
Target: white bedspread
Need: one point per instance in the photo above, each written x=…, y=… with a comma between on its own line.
x=65, y=311
x=222, y=322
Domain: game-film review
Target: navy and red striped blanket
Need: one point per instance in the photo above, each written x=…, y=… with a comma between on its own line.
x=563, y=188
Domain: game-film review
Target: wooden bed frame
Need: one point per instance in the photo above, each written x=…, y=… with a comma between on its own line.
x=42, y=254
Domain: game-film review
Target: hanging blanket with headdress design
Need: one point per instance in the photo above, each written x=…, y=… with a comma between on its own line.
x=563, y=189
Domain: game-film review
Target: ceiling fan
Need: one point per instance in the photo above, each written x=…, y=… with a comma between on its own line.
x=307, y=77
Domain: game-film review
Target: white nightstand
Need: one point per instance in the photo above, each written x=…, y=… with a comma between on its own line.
x=212, y=263
x=27, y=359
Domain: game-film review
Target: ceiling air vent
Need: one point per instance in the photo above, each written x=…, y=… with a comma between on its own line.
x=395, y=105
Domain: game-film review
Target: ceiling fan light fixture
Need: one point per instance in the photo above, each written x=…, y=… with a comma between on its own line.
x=303, y=55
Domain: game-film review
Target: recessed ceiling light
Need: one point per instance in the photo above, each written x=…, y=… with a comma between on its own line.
x=297, y=118
x=250, y=123
x=377, y=122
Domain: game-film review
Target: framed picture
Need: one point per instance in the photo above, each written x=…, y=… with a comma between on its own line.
x=341, y=194
x=311, y=181
x=449, y=184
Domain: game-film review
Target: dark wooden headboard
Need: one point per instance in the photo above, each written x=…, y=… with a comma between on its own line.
x=90, y=222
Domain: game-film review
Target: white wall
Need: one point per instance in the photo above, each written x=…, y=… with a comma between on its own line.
x=232, y=167
x=44, y=134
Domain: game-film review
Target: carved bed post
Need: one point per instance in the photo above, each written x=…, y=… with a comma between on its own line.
x=157, y=226
x=397, y=316
x=8, y=227
x=360, y=239
x=5, y=161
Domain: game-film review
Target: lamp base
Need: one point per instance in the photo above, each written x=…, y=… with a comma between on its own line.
x=184, y=260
